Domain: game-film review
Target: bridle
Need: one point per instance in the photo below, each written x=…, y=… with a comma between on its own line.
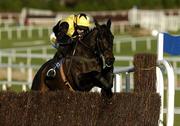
x=101, y=51
x=98, y=51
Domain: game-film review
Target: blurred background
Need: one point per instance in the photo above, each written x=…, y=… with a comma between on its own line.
x=160, y=14
x=25, y=26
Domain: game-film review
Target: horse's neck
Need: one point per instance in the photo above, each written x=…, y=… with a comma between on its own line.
x=84, y=51
x=87, y=45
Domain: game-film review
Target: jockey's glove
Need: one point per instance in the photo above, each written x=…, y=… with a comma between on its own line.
x=75, y=38
x=53, y=39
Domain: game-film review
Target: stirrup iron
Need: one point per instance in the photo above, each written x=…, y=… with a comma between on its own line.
x=51, y=73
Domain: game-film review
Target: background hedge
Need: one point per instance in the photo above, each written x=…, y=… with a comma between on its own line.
x=87, y=5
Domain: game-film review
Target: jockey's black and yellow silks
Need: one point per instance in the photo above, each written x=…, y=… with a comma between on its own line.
x=83, y=20
x=60, y=30
x=67, y=27
x=65, y=30
x=71, y=20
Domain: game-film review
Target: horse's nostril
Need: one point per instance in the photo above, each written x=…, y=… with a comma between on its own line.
x=109, y=62
x=112, y=60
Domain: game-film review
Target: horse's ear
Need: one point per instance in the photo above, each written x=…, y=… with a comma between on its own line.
x=96, y=23
x=93, y=34
x=109, y=23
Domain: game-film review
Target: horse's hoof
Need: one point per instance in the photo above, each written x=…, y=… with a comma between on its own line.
x=51, y=73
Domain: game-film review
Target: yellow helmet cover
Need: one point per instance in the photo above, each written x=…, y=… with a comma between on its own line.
x=70, y=20
x=83, y=20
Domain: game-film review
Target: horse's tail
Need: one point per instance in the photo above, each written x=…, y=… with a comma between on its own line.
x=37, y=78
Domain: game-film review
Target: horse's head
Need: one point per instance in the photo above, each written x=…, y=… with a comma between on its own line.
x=105, y=43
x=100, y=42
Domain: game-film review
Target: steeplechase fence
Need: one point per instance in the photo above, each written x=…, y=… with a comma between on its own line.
x=148, y=78
x=144, y=81
x=140, y=106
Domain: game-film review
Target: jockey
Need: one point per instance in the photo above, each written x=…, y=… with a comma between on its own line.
x=67, y=31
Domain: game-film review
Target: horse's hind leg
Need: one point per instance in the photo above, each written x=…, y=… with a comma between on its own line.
x=104, y=83
x=43, y=88
x=38, y=85
x=38, y=81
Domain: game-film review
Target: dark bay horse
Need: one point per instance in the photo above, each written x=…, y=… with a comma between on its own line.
x=89, y=63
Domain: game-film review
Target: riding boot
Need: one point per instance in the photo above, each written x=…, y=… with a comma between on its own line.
x=105, y=83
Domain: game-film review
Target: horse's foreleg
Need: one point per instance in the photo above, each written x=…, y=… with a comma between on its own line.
x=105, y=84
x=109, y=77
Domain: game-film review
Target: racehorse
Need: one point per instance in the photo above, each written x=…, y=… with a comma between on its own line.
x=89, y=63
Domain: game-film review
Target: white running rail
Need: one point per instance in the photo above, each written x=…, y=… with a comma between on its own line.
x=160, y=84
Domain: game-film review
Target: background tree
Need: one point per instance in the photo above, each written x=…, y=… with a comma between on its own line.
x=86, y=5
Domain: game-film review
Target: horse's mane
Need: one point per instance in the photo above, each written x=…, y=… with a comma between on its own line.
x=90, y=31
